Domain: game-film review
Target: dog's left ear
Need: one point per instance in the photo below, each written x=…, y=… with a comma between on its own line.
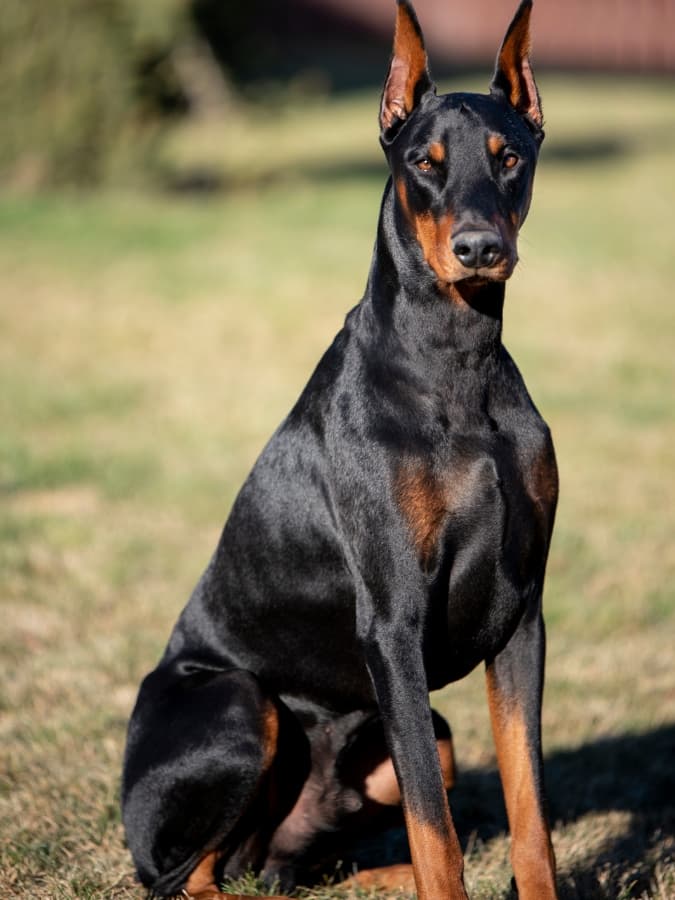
x=514, y=78
x=408, y=77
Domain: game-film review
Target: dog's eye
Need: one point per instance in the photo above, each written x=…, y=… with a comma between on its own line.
x=424, y=165
x=510, y=160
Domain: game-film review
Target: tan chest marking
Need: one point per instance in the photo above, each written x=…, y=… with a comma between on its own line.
x=426, y=499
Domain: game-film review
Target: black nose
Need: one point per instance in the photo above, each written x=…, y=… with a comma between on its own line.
x=477, y=249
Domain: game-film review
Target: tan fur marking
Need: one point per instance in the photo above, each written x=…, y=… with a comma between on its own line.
x=461, y=293
x=202, y=878
x=515, y=65
x=434, y=238
x=381, y=784
x=446, y=754
x=437, y=860
x=544, y=479
x=426, y=499
x=495, y=144
x=402, y=194
x=212, y=893
x=408, y=64
x=437, y=152
x=422, y=499
x=270, y=723
x=393, y=878
x=531, y=851
x=408, y=43
x=201, y=884
x=515, y=49
x=542, y=486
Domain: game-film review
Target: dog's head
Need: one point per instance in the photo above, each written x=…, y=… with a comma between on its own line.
x=462, y=164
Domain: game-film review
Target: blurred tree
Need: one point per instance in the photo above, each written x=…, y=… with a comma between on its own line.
x=86, y=85
x=83, y=84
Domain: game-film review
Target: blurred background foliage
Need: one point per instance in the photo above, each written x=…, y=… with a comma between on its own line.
x=85, y=86
x=88, y=89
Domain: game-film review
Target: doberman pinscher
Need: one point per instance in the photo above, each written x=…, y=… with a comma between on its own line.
x=392, y=535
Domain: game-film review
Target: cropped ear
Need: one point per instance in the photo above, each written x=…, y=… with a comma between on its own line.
x=514, y=78
x=408, y=78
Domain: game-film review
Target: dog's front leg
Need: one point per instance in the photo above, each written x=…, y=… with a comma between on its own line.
x=515, y=683
x=394, y=658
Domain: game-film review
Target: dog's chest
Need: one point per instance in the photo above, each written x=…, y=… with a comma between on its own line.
x=482, y=511
x=480, y=525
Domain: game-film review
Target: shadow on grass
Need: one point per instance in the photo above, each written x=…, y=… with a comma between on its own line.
x=205, y=181
x=626, y=774
x=632, y=774
x=196, y=181
x=595, y=148
x=629, y=773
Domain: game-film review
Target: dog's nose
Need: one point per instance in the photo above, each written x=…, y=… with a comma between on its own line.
x=477, y=249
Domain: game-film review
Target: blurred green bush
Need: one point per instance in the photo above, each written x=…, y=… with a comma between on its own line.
x=84, y=86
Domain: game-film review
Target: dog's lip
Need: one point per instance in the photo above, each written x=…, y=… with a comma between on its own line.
x=481, y=277
x=502, y=271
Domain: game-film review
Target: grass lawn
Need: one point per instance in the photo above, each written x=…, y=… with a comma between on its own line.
x=149, y=344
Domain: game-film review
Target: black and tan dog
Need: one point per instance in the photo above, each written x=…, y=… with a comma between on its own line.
x=392, y=536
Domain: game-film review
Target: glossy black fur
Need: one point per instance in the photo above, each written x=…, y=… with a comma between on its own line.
x=318, y=599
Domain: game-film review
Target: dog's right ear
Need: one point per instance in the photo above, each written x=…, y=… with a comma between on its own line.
x=408, y=78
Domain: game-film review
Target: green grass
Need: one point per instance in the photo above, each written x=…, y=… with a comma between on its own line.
x=149, y=344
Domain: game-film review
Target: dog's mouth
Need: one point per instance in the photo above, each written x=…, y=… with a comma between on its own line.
x=484, y=276
x=471, y=283
x=500, y=271
x=475, y=280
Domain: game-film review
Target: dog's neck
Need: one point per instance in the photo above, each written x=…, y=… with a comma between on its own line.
x=458, y=324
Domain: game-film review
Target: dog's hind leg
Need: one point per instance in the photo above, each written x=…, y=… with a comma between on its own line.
x=201, y=744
